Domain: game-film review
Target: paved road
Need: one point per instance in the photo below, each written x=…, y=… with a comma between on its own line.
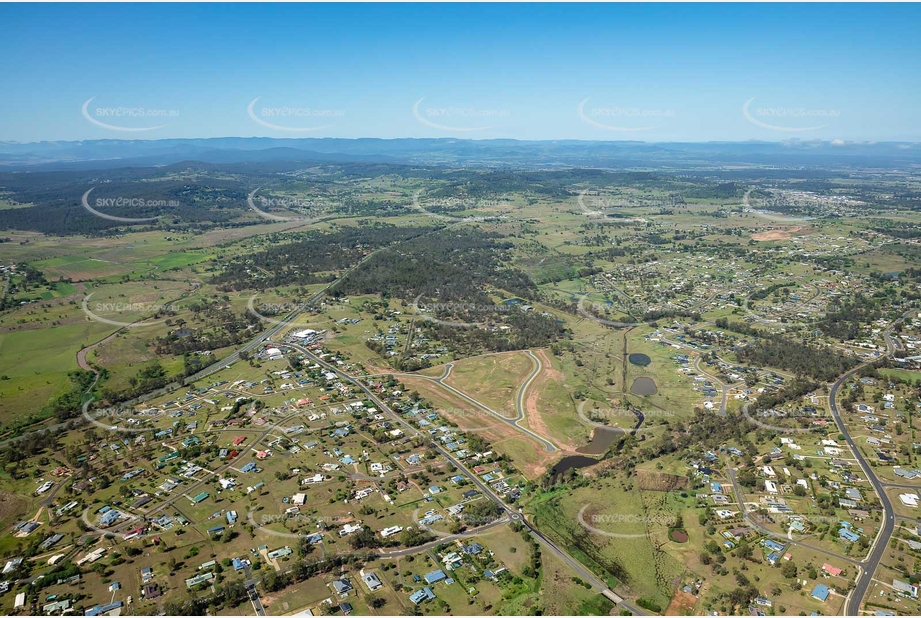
x=514, y=422
x=868, y=565
x=263, y=337
x=754, y=523
x=267, y=334
x=888, y=524
x=254, y=597
x=510, y=512
x=724, y=388
x=519, y=401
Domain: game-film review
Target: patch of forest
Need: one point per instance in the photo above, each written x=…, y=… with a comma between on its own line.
x=311, y=257
x=844, y=321
x=821, y=363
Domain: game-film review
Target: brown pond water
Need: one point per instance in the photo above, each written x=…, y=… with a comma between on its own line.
x=644, y=386
x=573, y=461
x=602, y=439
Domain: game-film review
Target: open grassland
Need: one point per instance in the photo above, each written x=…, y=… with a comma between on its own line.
x=902, y=374
x=36, y=363
x=492, y=379
x=549, y=408
x=675, y=393
x=525, y=452
x=640, y=561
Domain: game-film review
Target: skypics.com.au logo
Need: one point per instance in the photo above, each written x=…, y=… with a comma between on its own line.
x=119, y=118
x=123, y=202
x=123, y=419
x=612, y=418
x=425, y=206
x=122, y=309
x=623, y=119
x=797, y=416
x=623, y=525
x=426, y=311
x=595, y=205
x=788, y=119
x=285, y=203
x=270, y=312
x=304, y=117
x=457, y=119
x=295, y=525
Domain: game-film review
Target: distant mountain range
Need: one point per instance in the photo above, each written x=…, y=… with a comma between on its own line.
x=98, y=154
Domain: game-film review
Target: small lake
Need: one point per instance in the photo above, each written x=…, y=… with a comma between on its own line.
x=573, y=462
x=644, y=386
x=641, y=360
x=602, y=439
x=678, y=536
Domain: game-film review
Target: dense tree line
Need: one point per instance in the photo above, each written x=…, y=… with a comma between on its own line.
x=147, y=379
x=527, y=330
x=57, y=209
x=311, y=258
x=739, y=327
x=214, y=326
x=821, y=363
x=448, y=266
x=844, y=321
x=449, y=272
x=790, y=392
x=29, y=445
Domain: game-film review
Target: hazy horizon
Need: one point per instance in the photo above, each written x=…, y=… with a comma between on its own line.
x=652, y=73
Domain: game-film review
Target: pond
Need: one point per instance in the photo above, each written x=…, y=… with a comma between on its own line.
x=640, y=360
x=573, y=462
x=602, y=439
x=644, y=386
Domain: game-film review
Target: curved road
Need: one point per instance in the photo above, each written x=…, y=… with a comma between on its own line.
x=866, y=567
x=487, y=491
x=519, y=401
x=888, y=524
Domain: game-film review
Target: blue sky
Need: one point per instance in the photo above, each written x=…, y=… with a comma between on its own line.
x=656, y=72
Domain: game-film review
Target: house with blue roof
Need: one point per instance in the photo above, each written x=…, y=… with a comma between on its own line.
x=773, y=545
x=473, y=549
x=435, y=576
x=109, y=518
x=820, y=592
x=847, y=535
x=248, y=467
x=419, y=596
x=102, y=609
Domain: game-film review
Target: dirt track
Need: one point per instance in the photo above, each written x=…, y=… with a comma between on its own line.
x=81, y=355
x=782, y=234
x=532, y=411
